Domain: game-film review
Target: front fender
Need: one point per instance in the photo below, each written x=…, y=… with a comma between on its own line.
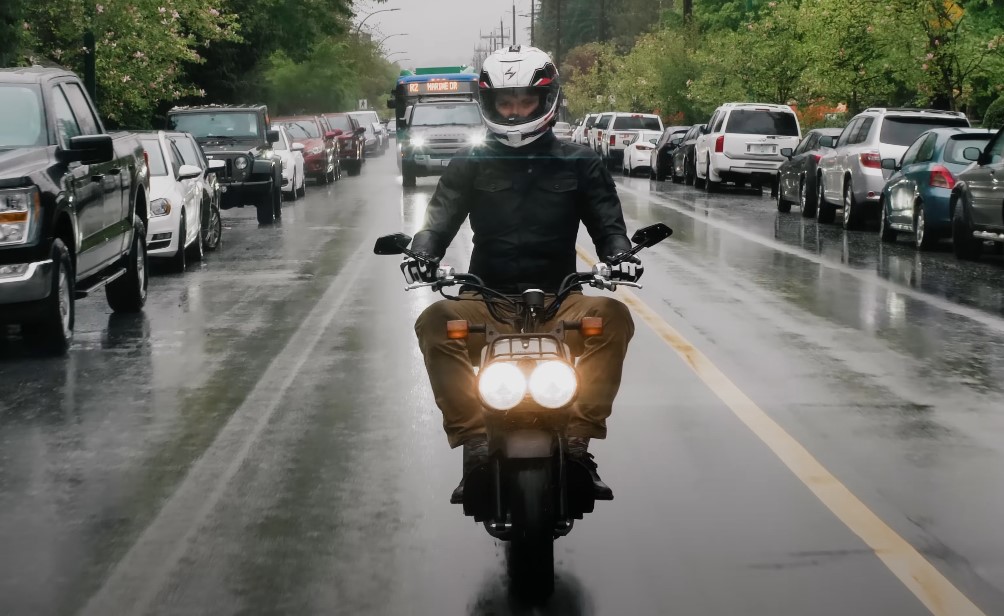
x=263, y=167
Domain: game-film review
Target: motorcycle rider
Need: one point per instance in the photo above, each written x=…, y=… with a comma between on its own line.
x=525, y=193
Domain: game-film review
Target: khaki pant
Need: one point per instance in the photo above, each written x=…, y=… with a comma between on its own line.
x=601, y=359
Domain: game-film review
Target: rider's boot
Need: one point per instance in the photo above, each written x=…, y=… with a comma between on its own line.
x=577, y=451
x=475, y=454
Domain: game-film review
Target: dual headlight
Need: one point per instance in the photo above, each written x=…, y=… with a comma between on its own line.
x=20, y=209
x=552, y=384
x=160, y=207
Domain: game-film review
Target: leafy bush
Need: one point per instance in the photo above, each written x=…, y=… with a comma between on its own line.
x=994, y=117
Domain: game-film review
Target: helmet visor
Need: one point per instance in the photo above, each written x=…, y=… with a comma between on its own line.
x=517, y=106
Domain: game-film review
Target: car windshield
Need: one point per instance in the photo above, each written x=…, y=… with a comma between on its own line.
x=762, y=122
x=226, y=124
x=342, y=123
x=904, y=131
x=636, y=123
x=188, y=153
x=438, y=115
x=22, y=123
x=158, y=167
x=301, y=129
x=958, y=144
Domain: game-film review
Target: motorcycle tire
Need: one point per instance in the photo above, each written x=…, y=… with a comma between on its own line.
x=530, y=559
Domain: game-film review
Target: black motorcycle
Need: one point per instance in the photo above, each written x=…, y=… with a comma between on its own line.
x=530, y=492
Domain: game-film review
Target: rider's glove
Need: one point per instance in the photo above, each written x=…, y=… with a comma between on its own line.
x=416, y=270
x=628, y=270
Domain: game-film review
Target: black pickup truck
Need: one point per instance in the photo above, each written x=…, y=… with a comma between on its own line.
x=73, y=207
x=242, y=137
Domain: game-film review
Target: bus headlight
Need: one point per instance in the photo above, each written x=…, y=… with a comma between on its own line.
x=553, y=384
x=501, y=386
x=418, y=142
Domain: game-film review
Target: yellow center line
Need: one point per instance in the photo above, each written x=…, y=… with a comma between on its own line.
x=921, y=577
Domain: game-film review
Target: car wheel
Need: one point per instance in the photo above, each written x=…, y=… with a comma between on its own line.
x=923, y=238
x=277, y=201
x=408, y=178
x=302, y=190
x=128, y=292
x=806, y=199
x=212, y=229
x=177, y=263
x=355, y=167
x=852, y=211
x=688, y=173
x=265, y=209
x=825, y=212
x=53, y=333
x=195, y=251
x=709, y=186
x=966, y=247
x=698, y=182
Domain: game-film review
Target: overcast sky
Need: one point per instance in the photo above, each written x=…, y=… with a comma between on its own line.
x=441, y=32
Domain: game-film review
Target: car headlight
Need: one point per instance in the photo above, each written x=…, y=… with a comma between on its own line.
x=160, y=207
x=241, y=162
x=553, y=384
x=317, y=149
x=476, y=139
x=20, y=208
x=501, y=385
x=418, y=142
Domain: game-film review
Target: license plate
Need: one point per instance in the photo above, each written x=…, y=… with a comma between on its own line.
x=445, y=163
x=760, y=148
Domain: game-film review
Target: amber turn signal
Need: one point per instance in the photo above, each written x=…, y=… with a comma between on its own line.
x=457, y=330
x=591, y=326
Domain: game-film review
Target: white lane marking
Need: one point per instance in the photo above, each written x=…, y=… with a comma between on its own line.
x=932, y=588
x=979, y=316
x=146, y=568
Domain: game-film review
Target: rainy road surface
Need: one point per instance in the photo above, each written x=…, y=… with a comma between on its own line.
x=810, y=423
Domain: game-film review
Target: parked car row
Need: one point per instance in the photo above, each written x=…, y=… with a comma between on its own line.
x=609, y=134
x=83, y=210
x=924, y=172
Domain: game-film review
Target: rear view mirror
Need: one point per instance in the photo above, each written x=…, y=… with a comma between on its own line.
x=651, y=235
x=971, y=154
x=786, y=152
x=393, y=244
x=189, y=172
x=89, y=149
x=890, y=164
x=827, y=141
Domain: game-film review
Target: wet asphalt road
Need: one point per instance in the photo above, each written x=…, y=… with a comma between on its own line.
x=262, y=440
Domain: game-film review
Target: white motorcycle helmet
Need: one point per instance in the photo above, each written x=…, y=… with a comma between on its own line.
x=515, y=74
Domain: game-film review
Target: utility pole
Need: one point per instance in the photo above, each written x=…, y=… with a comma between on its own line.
x=602, y=30
x=533, y=20
x=557, y=45
x=513, y=22
x=502, y=30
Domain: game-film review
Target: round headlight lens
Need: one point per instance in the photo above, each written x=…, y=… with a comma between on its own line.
x=501, y=386
x=241, y=162
x=553, y=384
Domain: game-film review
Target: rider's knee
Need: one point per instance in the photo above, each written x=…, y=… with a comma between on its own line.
x=616, y=317
x=433, y=319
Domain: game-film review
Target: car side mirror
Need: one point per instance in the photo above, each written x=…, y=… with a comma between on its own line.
x=337, y=133
x=972, y=154
x=786, y=152
x=393, y=244
x=361, y=130
x=217, y=164
x=704, y=129
x=890, y=164
x=827, y=141
x=298, y=147
x=330, y=134
x=189, y=172
x=272, y=136
x=89, y=149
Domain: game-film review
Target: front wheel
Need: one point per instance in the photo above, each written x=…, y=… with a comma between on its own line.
x=531, y=551
x=53, y=332
x=212, y=229
x=127, y=293
x=966, y=247
x=825, y=212
x=783, y=205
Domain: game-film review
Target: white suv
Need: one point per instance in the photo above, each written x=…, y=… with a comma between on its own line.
x=624, y=129
x=743, y=144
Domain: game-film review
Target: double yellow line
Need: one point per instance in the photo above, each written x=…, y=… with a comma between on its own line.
x=933, y=589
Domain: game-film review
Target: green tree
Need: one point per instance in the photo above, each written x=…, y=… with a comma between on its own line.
x=143, y=47
x=12, y=32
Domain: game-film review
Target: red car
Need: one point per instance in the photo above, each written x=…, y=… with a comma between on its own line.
x=351, y=140
x=320, y=154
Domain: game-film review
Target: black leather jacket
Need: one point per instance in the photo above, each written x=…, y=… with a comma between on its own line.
x=525, y=206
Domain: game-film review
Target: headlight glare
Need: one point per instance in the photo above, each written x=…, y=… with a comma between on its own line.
x=553, y=384
x=501, y=385
x=476, y=139
x=160, y=207
x=418, y=142
x=241, y=162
